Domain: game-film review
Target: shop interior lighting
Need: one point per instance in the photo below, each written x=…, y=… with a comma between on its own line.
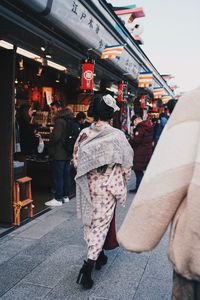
x=16, y=81
x=44, y=62
x=32, y=55
x=27, y=53
x=43, y=48
x=55, y=66
x=6, y=45
x=47, y=51
x=48, y=54
x=58, y=78
x=38, y=59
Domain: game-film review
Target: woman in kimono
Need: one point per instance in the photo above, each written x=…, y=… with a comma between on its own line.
x=103, y=158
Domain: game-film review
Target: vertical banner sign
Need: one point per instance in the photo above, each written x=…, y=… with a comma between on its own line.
x=142, y=102
x=154, y=105
x=122, y=90
x=87, y=77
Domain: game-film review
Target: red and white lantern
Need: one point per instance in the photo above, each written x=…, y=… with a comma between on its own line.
x=154, y=105
x=87, y=76
x=142, y=102
x=122, y=89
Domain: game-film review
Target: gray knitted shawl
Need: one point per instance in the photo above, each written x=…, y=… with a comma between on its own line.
x=106, y=145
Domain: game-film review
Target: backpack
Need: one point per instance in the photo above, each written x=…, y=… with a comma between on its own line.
x=72, y=130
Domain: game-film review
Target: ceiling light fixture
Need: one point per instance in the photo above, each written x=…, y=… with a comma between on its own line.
x=55, y=66
x=47, y=50
x=48, y=54
x=44, y=62
x=58, y=78
x=6, y=45
x=43, y=48
x=32, y=55
x=27, y=53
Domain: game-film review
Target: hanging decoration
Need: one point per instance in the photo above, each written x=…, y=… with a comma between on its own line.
x=154, y=105
x=145, y=79
x=122, y=91
x=142, y=102
x=158, y=92
x=113, y=51
x=87, y=76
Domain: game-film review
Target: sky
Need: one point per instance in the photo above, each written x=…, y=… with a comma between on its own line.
x=171, y=38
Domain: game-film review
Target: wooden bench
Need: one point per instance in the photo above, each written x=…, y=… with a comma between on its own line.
x=18, y=203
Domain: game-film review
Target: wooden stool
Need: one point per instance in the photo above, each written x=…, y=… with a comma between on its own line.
x=18, y=203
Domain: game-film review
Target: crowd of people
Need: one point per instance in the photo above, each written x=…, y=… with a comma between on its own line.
x=103, y=158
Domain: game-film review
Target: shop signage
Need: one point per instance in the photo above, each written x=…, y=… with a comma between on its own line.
x=87, y=83
x=122, y=91
x=142, y=101
x=74, y=18
x=154, y=105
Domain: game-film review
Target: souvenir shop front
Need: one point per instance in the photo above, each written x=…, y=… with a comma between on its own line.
x=41, y=51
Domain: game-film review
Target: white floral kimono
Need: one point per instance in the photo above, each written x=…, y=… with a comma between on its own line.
x=105, y=189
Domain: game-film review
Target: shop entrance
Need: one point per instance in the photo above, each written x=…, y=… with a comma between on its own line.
x=37, y=85
x=29, y=83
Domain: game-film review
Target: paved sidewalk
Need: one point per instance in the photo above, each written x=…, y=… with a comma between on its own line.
x=41, y=260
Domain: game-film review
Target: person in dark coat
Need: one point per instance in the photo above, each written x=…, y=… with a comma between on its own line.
x=142, y=144
x=28, y=137
x=61, y=158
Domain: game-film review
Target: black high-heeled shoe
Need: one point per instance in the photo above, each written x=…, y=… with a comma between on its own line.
x=101, y=260
x=84, y=276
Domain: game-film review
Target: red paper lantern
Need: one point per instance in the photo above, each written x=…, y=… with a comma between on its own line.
x=142, y=102
x=154, y=105
x=122, y=91
x=87, y=76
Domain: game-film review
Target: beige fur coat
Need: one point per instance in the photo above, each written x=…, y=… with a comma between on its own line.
x=170, y=193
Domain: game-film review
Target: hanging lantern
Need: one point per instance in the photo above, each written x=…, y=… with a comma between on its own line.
x=142, y=102
x=145, y=79
x=154, y=105
x=87, y=76
x=122, y=91
x=158, y=92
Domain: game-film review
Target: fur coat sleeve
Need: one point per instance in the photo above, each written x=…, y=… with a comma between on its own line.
x=169, y=193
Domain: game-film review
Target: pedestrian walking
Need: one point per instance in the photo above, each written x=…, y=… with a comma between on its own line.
x=169, y=193
x=103, y=158
x=142, y=144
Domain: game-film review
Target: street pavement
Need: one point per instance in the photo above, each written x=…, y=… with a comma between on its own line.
x=41, y=260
